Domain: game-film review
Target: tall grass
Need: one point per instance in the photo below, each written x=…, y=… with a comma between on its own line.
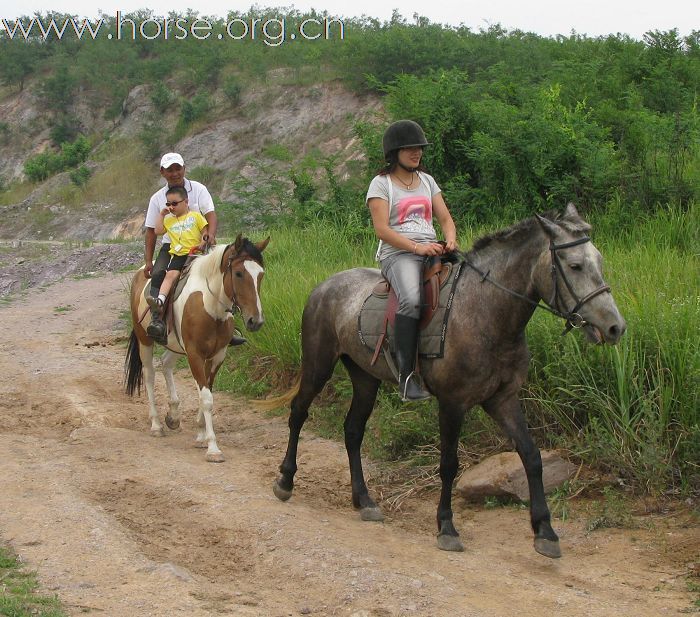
x=631, y=410
x=295, y=262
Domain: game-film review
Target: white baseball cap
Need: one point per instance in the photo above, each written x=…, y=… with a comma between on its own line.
x=171, y=158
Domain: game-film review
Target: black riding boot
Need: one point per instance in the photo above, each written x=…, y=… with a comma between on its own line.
x=405, y=343
x=157, y=329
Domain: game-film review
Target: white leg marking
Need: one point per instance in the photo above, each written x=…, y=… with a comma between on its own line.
x=169, y=359
x=206, y=405
x=149, y=379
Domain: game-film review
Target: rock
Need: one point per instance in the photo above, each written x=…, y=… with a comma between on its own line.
x=503, y=475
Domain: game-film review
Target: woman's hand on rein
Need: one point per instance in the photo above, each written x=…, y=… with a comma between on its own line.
x=450, y=246
x=428, y=249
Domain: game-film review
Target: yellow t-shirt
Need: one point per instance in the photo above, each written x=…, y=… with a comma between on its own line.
x=185, y=232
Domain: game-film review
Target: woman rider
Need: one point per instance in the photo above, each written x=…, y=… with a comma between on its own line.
x=403, y=199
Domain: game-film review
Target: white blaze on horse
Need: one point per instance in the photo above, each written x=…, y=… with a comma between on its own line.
x=223, y=281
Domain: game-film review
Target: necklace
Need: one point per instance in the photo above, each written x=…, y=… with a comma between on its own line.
x=406, y=184
x=178, y=246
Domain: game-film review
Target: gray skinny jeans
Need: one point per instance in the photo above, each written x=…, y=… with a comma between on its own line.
x=404, y=271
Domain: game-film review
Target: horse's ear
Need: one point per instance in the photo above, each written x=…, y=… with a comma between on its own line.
x=547, y=225
x=571, y=212
x=263, y=245
x=238, y=243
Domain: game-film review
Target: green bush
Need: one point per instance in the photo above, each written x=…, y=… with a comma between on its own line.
x=42, y=166
x=47, y=164
x=161, y=97
x=233, y=89
x=195, y=108
x=80, y=176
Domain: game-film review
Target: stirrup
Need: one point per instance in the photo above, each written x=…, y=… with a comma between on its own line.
x=412, y=390
x=158, y=331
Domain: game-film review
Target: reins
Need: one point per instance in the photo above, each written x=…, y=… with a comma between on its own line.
x=573, y=318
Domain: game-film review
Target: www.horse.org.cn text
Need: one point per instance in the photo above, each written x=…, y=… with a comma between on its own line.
x=270, y=31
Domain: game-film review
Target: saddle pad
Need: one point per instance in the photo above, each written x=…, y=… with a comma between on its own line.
x=431, y=341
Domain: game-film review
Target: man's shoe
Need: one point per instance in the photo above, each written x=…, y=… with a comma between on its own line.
x=237, y=339
x=157, y=331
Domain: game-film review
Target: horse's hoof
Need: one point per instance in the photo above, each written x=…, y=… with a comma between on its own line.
x=371, y=514
x=157, y=432
x=450, y=543
x=173, y=425
x=214, y=457
x=280, y=493
x=548, y=548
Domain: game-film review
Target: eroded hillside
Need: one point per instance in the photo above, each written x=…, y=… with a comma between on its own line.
x=231, y=147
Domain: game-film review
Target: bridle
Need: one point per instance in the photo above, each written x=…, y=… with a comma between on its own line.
x=229, y=269
x=572, y=317
x=556, y=304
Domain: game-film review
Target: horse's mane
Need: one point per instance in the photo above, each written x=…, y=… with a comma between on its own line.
x=251, y=249
x=568, y=221
x=209, y=265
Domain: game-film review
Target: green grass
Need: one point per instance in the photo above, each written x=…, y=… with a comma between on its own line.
x=631, y=410
x=19, y=591
x=611, y=512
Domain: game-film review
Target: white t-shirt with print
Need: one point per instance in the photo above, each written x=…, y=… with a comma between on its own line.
x=198, y=198
x=410, y=210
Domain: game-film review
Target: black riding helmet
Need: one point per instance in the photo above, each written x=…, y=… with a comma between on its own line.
x=403, y=134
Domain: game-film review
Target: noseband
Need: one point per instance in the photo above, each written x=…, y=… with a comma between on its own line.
x=573, y=318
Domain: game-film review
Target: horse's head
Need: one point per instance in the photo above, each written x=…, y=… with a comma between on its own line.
x=570, y=278
x=242, y=270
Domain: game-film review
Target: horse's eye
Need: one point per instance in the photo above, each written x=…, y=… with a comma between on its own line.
x=239, y=275
x=575, y=267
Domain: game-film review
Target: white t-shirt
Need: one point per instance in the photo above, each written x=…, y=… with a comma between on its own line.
x=198, y=198
x=410, y=210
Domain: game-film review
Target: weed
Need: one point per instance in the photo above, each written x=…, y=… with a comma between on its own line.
x=694, y=588
x=19, y=594
x=612, y=511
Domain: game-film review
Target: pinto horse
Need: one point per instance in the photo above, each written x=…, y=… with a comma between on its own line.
x=485, y=359
x=226, y=279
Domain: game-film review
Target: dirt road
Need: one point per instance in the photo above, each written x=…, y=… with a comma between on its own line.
x=121, y=524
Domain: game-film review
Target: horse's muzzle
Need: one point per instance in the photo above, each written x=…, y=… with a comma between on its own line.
x=253, y=324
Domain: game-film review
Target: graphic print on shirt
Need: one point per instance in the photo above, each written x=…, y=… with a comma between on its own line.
x=415, y=214
x=180, y=226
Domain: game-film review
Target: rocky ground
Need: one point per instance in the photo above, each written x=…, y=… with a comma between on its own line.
x=25, y=264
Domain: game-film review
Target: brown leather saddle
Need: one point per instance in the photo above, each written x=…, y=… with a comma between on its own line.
x=435, y=274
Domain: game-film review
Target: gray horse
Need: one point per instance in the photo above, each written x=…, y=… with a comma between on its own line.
x=485, y=355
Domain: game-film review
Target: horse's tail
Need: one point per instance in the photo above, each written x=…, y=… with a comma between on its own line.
x=133, y=368
x=268, y=404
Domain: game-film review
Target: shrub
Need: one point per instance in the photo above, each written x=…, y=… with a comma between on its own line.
x=233, y=89
x=161, y=97
x=80, y=176
x=195, y=109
